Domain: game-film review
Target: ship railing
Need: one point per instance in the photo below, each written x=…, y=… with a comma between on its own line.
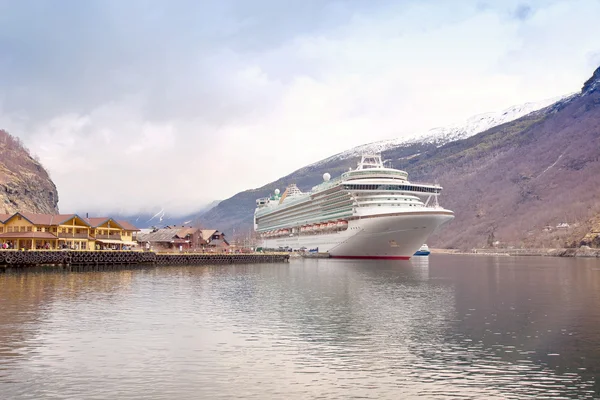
x=437, y=185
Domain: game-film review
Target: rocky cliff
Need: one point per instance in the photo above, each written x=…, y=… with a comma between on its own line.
x=24, y=183
x=531, y=182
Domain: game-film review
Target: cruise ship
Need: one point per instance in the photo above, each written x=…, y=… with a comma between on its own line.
x=371, y=212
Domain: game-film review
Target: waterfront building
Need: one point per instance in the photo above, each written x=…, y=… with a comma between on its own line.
x=163, y=239
x=173, y=238
x=24, y=230
x=214, y=239
x=110, y=234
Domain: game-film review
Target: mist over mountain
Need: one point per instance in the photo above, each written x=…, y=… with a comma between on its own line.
x=165, y=217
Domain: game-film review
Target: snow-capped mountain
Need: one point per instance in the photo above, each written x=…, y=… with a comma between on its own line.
x=164, y=217
x=442, y=135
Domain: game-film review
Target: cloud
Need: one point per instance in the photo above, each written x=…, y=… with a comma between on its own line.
x=523, y=12
x=144, y=104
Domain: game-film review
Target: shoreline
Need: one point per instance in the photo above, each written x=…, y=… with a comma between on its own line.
x=582, y=252
x=24, y=260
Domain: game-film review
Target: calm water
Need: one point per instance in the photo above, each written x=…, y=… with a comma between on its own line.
x=447, y=327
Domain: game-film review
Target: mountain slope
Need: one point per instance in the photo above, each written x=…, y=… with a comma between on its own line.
x=24, y=183
x=163, y=217
x=505, y=184
x=517, y=182
x=447, y=134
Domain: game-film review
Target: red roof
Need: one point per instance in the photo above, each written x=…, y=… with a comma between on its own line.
x=4, y=217
x=183, y=232
x=27, y=235
x=127, y=226
x=96, y=221
x=47, y=219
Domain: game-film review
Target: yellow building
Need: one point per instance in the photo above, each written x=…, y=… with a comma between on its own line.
x=111, y=234
x=48, y=231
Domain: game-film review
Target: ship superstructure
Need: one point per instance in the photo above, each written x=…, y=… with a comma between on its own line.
x=372, y=211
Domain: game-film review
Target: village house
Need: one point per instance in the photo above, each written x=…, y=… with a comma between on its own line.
x=110, y=234
x=172, y=238
x=214, y=240
x=24, y=230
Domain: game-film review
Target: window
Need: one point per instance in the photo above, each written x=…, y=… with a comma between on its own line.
x=1, y=229
x=38, y=229
x=9, y=229
x=30, y=229
x=22, y=229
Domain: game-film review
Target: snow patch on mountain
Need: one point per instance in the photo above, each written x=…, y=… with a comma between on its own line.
x=442, y=135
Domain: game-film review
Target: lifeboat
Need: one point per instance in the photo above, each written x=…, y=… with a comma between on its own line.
x=331, y=225
x=342, y=224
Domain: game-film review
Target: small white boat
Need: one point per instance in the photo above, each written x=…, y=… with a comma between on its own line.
x=423, y=251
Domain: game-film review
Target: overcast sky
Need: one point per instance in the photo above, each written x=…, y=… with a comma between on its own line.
x=138, y=104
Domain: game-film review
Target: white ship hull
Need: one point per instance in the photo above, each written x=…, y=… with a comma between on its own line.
x=389, y=236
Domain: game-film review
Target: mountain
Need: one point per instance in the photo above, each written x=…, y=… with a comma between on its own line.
x=532, y=182
x=163, y=217
x=237, y=211
x=24, y=183
x=443, y=135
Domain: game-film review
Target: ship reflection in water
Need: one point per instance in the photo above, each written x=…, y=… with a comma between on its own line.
x=433, y=327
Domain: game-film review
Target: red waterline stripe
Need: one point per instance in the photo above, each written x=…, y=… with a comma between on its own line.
x=372, y=257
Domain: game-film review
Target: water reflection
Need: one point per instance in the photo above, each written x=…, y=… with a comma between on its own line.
x=437, y=327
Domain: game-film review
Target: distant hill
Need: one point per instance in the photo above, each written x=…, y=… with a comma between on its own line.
x=24, y=183
x=164, y=217
x=237, y=211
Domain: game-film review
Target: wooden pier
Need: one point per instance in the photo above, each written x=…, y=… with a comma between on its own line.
x=35, y=258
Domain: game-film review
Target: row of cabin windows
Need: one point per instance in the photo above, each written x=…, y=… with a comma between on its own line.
x=392, y=187
x=17, y=229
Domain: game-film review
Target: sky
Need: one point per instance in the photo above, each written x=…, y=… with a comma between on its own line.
x=138, y=105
